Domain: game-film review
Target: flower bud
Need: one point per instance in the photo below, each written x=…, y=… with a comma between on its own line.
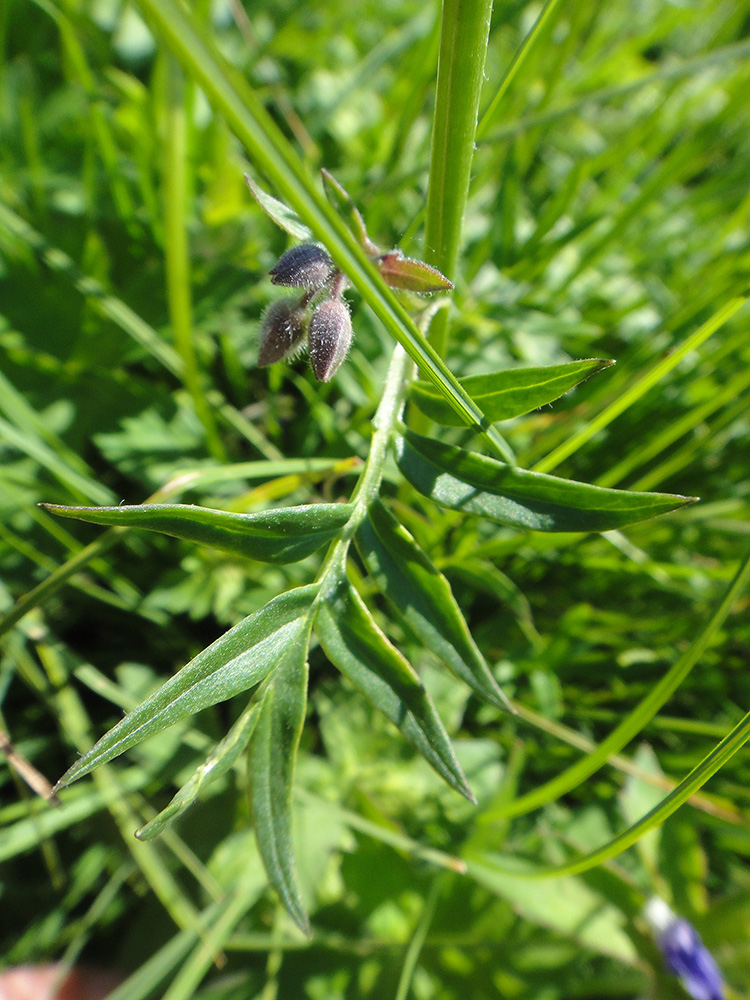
x=282, y=329
x=330, y=338
x=304, y=266
x=684, y=953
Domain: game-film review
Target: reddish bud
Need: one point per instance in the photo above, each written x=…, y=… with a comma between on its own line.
x=304, y=266
x=414, y=275
x=283, y=327
x=330, y=338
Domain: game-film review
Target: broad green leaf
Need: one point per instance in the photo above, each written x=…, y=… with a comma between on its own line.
x=509, y=393
x=275, y=536
x=219, y=761
x=422, y=595
x=239, y=660
x=354, y=643
x=475, y=484
x=567, y=906
x=284, y=217
x=273, y=754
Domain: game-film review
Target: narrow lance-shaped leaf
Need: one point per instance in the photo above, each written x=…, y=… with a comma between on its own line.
x=275, y=536
x=221, y=759
x=354, y=643
x=475, y=484
x=237, y=661
x=422, y=596
x=284, y=217
x=273, y=754
x=509, y=393
x=342, y=201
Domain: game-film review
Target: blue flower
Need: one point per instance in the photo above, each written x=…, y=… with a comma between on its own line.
x=684, y=953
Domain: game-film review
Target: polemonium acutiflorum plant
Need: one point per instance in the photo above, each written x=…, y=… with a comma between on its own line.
x=411, y=539
x=267, y=653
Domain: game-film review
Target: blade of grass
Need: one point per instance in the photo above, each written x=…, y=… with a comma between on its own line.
x=722, y=57
x=640, y=387
x=130, y=322
x=711, y=763
x=515, y=65
x=633, y=723
x=75, y=722
x=418, y=938
x=177, y=259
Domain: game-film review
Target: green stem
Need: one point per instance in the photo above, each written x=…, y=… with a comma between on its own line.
x=366, y=491
x=463, y=48
x=177, y=255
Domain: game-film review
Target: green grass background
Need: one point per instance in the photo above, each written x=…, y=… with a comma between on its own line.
x=607, y=216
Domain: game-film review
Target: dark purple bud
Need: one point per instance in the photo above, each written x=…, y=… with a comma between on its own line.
x=684, y=953
x=282, y=330
x=330, y=338
x=304, y=266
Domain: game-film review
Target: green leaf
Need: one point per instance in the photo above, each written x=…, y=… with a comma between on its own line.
x=275, y=536
x=566, y=906
x=273, y=754
x=239, y=660
x=342, y=201
x=423, y=597
x=218, y=762
x=475, y=484
x=414, y=276
x=509, y=393
x=284, y=217
x=354, y=643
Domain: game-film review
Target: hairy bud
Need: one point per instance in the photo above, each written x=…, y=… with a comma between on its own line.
x=304, y=266
x=282, y=330
x=330, y=338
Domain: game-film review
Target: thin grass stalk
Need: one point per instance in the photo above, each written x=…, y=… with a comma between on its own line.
x=634, y=723
x=177, y=253
x=652, y=377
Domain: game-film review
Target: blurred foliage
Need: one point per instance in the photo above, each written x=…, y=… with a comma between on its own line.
x=608, y=217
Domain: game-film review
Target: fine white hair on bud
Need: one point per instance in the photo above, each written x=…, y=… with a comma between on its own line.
x=329, y=338
x=282, y=331
x=303, y=266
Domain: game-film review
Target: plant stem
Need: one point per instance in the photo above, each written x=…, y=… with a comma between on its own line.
x=463, y=48
x=176, y=252
x=366, y=491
